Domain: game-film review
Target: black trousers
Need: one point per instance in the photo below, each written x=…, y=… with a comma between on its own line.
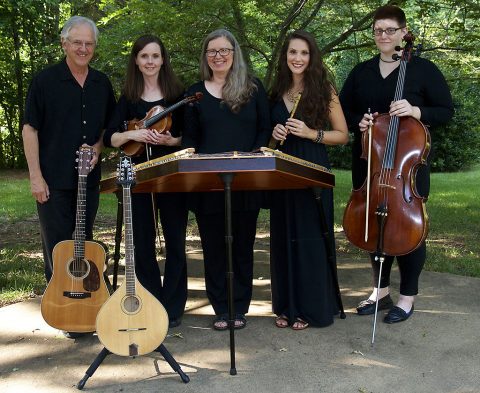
x=409, y=265
x=57, y=219
x=173, y=218
x=212, y=234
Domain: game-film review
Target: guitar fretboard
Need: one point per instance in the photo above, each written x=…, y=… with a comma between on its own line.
x=79, y=234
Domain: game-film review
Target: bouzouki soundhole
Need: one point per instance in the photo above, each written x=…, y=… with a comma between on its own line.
x=78, y=268
x=131, y=304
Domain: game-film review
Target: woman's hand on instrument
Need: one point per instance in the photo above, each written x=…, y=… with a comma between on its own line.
x=365, y=122
x=143, y=135
x=166, y=138
x=403, y=108
x=279, y=132
x=300, y=129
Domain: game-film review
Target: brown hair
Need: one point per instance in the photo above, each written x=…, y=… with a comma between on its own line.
x=314, y=105
x=390, y=12
x=168, y=82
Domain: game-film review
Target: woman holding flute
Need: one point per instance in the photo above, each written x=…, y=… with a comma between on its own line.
x=307, y=115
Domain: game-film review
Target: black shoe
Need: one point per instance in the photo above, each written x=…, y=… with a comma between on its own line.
x=74, y=335
x=367, y=307
x=396, y=314
x=174, y=322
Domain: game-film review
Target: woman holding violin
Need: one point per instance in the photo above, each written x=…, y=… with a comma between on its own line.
x=151, y=82
x=370, y=90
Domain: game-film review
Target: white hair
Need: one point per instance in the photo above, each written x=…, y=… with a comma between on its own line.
x=75, y=21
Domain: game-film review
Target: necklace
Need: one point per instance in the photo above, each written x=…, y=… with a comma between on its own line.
x=291, y=96
x=387, y=61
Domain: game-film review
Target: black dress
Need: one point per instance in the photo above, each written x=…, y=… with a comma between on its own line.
x=302, y=284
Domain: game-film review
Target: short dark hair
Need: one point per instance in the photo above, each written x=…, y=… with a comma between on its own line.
x=390, y=12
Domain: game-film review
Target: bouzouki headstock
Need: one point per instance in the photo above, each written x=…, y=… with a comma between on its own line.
x=126, y=172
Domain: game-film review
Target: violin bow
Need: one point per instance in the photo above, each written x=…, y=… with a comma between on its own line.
x=369, y=161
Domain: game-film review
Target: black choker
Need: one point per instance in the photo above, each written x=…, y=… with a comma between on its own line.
x=387, y=61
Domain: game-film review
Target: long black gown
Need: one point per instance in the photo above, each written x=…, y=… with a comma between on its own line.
x=301, y=278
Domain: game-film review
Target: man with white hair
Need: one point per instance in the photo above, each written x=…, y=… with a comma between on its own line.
x=68, y=105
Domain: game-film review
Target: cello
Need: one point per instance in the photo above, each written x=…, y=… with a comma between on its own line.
x=393, y=219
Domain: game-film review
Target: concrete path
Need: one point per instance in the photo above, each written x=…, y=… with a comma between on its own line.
x=436, y=350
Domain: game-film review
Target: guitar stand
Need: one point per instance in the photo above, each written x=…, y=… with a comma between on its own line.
x=104, y=352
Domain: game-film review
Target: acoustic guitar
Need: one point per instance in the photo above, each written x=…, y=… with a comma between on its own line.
x=77, y=288
x=132, y=322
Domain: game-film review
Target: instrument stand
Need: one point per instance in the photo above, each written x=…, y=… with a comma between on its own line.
x=227, y=179
x=328, y=248
x=104, y=352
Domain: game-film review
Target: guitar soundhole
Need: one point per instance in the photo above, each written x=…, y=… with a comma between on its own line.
x=131, y=304
x=78, y=268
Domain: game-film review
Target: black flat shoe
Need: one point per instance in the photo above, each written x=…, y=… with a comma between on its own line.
x=174, y=322
x=367, y=307
x=396, y=314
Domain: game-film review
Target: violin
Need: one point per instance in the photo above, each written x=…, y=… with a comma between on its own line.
x=386, y=215
x=157, y=118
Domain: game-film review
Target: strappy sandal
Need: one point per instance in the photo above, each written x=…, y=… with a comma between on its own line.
x=240, y=321
x=281, y=321
x=299, y=324
x=220, y=322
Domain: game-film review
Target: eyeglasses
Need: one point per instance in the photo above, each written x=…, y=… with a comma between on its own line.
x=224, y=52
x=77, y=44
x=388, y=31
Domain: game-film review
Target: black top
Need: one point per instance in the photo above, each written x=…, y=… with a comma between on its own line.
x=365, y=88
x=127, y=110
x=67, y=115
x=211, y=127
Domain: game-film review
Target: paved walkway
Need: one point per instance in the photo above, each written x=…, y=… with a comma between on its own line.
x=436, y=350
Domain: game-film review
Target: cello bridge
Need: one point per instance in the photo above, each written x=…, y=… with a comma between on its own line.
x=387, y=186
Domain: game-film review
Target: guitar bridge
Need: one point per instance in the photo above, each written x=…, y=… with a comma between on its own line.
x=77, y=295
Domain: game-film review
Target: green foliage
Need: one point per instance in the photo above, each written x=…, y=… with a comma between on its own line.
x=449, y=31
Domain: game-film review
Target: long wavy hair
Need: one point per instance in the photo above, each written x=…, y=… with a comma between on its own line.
x=168, y=82
x=314, y=106
x=239, y=85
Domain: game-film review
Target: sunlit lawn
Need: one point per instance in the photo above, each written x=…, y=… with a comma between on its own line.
x=453, y=246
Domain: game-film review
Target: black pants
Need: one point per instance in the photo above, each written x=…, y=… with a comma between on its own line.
x=409, y=265
x=173, y=218
x=212, y=234
x=58, y=218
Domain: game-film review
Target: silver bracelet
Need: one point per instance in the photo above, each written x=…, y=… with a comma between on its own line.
x=319, y=138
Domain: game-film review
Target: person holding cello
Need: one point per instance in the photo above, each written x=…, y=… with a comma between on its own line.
x=151, y=82
x=369, y=91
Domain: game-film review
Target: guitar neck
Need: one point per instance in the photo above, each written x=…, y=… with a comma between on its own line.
x=129, y=246
x=79, y=234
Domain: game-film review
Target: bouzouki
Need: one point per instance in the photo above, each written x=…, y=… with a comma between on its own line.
x=132, y=322
x=77, y=288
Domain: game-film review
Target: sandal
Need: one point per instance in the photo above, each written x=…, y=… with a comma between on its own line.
x=240, y=321
x=281, y=321
x=220, y=322
x=299, y=324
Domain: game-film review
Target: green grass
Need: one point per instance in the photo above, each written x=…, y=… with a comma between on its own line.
x=453, y=246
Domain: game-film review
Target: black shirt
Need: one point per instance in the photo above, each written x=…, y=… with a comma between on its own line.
x=127, y=110
x=365, y=88
x=66, y=116
x=211, y=127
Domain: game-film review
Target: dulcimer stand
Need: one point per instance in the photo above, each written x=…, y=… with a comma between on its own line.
x=267, y=169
